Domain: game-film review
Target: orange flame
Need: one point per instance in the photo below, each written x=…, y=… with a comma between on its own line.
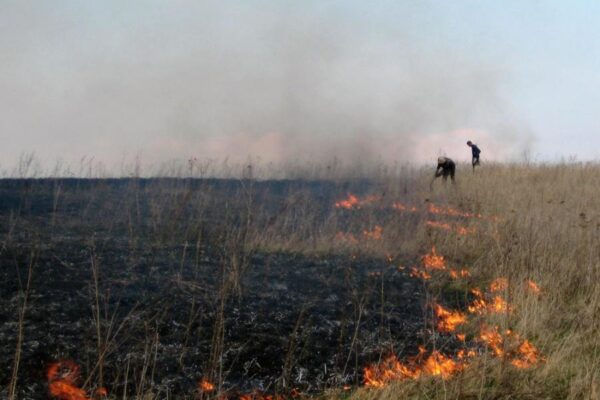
x=349, y=203
x=493, y=339
x=480, y=305
x=527, y=355
x=499, y=305
x=460, y=229
x=499, y=285
x=433, y=209
x=62, y=381
x=448, y=320
x=533, y=287
x=463, y=273
x=391, y=369
x=439, y=365
x=206, y=386
x=417, y=273
x=404, y=208
x=462, y=353
x=433, y=260
x=354, y=202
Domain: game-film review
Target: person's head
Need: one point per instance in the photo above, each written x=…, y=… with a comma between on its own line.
x=441, y=160
x=469, y=143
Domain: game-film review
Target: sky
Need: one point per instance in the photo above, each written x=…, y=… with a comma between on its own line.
x=163, y=80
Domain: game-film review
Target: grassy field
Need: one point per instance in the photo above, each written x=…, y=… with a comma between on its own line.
x=525, y=234
x=548, y=232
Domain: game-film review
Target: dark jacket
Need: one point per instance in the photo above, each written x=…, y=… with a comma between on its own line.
x=445, y=168
x=475, y=150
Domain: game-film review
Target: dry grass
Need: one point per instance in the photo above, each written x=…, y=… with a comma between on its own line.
x=549, y=231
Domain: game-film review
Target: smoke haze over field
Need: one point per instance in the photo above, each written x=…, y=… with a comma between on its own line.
x=272, y=80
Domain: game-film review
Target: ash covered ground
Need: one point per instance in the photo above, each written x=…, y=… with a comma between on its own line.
x=151, y=285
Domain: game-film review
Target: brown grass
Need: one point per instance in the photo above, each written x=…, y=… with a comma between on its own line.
x=549, y=231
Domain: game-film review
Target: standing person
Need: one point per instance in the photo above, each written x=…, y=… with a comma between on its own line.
x=445, y=168
x=475, y=152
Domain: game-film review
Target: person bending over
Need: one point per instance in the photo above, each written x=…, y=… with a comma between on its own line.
x=445, y=168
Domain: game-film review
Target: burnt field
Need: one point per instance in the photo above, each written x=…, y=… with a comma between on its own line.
x=186, y=288
x=240, y=289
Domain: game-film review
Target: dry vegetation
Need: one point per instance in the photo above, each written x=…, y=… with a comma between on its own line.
x=548, y=231
x=542, y=224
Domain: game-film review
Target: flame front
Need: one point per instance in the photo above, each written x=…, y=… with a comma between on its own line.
x=439, y=365
x=457, y=228
x=354, y=202
x=452, y=212
x=391, y=369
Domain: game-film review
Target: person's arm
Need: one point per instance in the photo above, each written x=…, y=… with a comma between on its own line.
x=438, y=170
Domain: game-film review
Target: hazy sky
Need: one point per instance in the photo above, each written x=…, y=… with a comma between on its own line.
x=173, y=79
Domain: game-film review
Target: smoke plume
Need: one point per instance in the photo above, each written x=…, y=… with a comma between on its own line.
x=271, y=80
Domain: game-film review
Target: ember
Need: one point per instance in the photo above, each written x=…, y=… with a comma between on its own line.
x=206, y=386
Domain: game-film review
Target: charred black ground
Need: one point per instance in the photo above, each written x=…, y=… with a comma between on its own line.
x=184, y=292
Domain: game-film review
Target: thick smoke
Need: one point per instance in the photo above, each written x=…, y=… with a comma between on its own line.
x=270, y=80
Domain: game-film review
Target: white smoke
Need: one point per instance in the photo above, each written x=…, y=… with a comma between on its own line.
x=275, y=80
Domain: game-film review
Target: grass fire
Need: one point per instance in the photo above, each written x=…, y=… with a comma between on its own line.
x=273, y=289
x=275, y=200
